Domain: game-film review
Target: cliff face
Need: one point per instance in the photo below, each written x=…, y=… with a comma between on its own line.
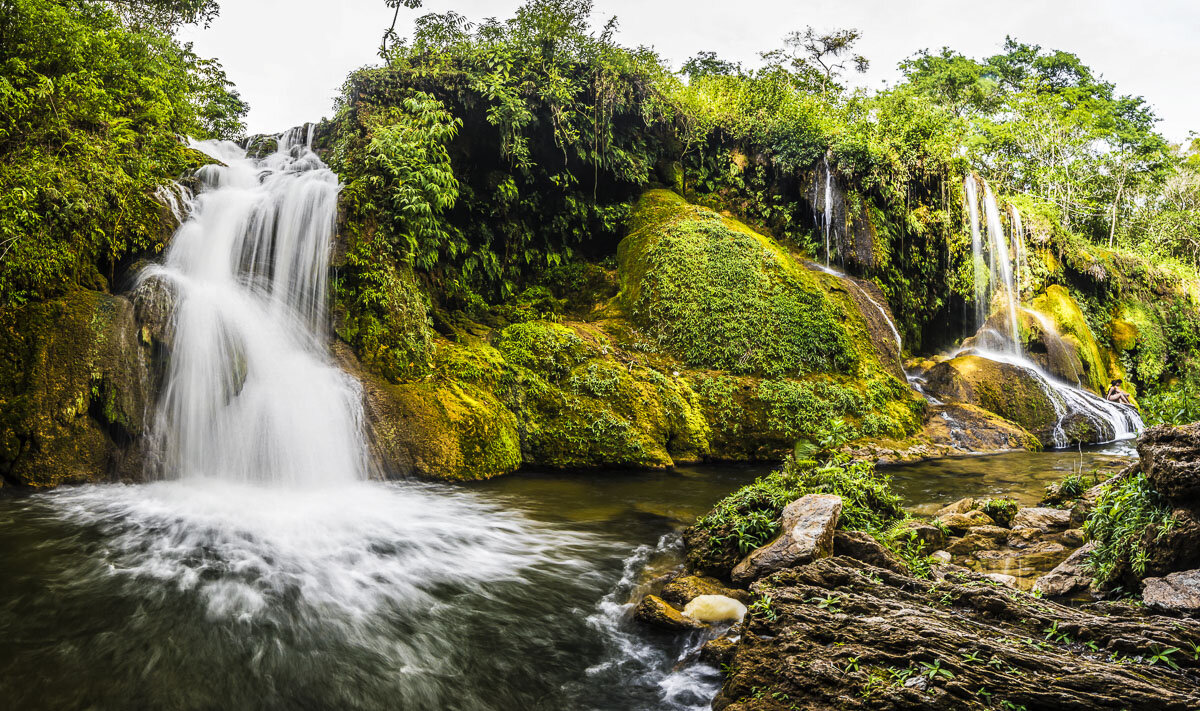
x=75, y=389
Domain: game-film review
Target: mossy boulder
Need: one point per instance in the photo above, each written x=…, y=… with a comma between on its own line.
x=716, y=294
x=74, y=391
x=436, y=428
x=578, y=406
x=1057, y=305
x=1007, y=390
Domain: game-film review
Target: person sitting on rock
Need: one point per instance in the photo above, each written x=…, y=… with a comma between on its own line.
x=1116, y=394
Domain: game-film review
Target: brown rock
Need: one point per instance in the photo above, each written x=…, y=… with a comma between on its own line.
x=1171, y=460
x=807, y=526
x=686, y=588
x=1178, y=592
x=656, y=612
x=930, y=536
x=960, y=506
x=1070, y=575
x=1043, y=519
x=960, y=523
x=864, y=547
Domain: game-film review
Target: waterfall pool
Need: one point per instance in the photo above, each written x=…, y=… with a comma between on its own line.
x=507, y=594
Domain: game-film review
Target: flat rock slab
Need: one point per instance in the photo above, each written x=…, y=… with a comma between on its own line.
x=1043, y=519
x=1178, y=592
x=807, y=525
x=837, y=627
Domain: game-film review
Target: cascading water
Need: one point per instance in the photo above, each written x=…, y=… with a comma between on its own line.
x=1001, y=264
x=1020, y=263
x=267, y=569
x=997, y=269
x=251, y=394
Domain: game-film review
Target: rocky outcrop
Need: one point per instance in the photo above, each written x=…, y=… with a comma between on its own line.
x=1177, y=593
x=1171, y=461
x=653, y=611
x=841, y=634
x=74, y=391
x=807, y=528
x=1007, y=390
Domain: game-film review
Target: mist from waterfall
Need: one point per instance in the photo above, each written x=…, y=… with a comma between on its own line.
x=251, y=394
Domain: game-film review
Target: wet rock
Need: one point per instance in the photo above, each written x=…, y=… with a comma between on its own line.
x=154, y=307
x=863, y=546
x=930, y=536
x=1171, y=461
x=1177, y=592
x=686, y=588
x=973, y=543
x=1007, y=390
x=1003, y=579
x=656, y=612
x=1043, y=519
x=1070, y=575
x=75, y=388
x=711, y=609
x=960, y=506
x=822, y=660
x=807, y=526
x=960, y=523
x=968, y=429
x=719, y=651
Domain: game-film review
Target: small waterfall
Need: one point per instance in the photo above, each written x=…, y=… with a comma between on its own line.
x=998, y=265
x=251, y=394
x=978, y=264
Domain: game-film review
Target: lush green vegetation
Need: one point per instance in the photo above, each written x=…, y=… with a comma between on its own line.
x=1128, y=515
x=749, y=517
x=95, y=98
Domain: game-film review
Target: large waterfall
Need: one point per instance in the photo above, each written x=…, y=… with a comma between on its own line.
x=998, y=265
x=251, y=394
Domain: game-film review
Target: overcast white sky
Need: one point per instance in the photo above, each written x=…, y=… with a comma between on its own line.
x=289, y=57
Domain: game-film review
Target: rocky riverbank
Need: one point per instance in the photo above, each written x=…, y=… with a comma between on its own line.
x=982, y=605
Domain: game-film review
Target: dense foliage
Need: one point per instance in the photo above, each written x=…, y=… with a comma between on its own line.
x=93, y=107
x=1128, y=515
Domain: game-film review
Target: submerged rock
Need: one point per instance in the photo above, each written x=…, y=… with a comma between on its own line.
x=807, y=526
x=1177, y=592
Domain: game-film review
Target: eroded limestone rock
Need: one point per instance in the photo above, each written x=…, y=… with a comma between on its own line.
x=1177, y=592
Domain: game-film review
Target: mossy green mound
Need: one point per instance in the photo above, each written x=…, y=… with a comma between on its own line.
x=716, y=294
x=1057, y=304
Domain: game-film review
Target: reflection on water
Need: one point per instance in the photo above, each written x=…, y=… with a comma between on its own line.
x=1022, y=476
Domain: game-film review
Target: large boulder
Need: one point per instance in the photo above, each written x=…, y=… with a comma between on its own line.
x=807, y=527
x=1177, y=592
x=1008, y=390
x=75, y=391
x=1171, y=461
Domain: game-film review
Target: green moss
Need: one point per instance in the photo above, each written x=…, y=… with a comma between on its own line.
x=549, y=349
x=1001, y=511
x=716, y=294
x=1149, y=354
x=1056, y=303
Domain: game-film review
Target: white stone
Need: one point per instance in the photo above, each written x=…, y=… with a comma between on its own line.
x=715, y=608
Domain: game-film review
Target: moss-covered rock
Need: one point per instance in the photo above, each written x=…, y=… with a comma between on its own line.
x=1063, y=312
x=716, y=294
x=1007, y=390
x=74, y=391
